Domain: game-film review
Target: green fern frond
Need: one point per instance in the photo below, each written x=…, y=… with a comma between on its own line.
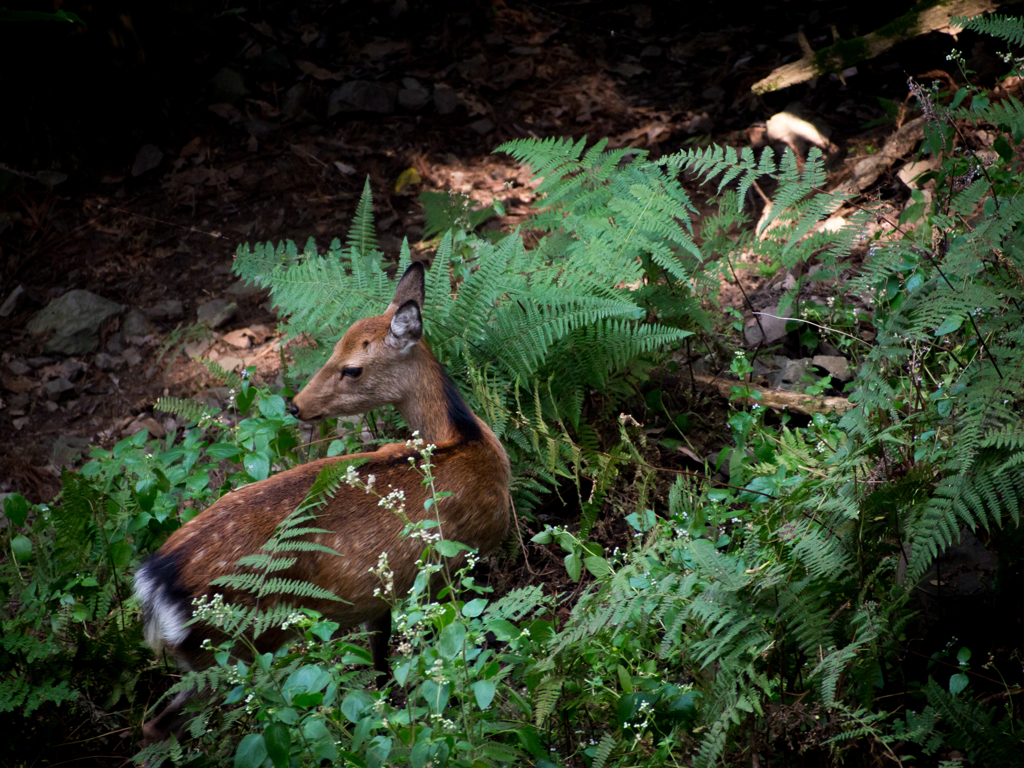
x=189, y=410
x=362, y=238
x=1007, y=28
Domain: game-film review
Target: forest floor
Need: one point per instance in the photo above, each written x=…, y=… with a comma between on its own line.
x=272, y=137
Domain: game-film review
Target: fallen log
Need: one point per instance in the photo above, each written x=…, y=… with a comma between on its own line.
x=845, y=53
x=780, y=399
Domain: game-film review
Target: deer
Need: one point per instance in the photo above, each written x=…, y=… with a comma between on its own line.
x=379, y=361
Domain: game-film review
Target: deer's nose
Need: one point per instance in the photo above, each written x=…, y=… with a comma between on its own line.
x=293, y=409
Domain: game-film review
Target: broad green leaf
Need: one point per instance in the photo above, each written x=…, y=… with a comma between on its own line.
x=278, y=740
x=484, y=691
x=251, y=752
x=950, y=324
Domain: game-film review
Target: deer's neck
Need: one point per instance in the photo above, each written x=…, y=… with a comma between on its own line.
x=434, y=407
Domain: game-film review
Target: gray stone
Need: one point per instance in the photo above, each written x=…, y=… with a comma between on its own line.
x=67, y=449
x=74, y=320
x=135, y=324
x=774, y=326
x=446, y=99
x=58, y=389
x=363, y=96
x=169, y=309
x=106, y=362
x=227, y=86
x=11, y=302
x=270, y=65
x=132, y=356
x=838, y=367
x=792, y=375
x=195, y=349
x=39, y=362
x=147, y=158
x=18, y=368
x=244, y=289
x=413, y=95
x=215, y=397
x=216, y=312
x=260, y=129
x=115, y=344
x=483, y=125
x=51, y=178
x=293, y=101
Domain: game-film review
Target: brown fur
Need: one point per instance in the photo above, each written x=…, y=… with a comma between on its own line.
x=469, y=462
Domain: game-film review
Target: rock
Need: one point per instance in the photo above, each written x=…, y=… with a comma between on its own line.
x=115, y=344
x=774, y=326
x=260, y=129
x=837, y=366
x=58, y=389
x=132, y=356
x=169, y=309
x=227, y=86
x=67, y=449
x=244, y=289
x=74, y=320
x=483, y=125
x=135, y=324
x=216, y=312
x=968, y=571
x=446, y=100
x=363, y=96
x=18, y=403
x=147, y=158
x=412, y=95
x=792, y=375
x=195, y=349
x=214, y=397
x=11, y=302
x=910, y=173
x=270, y=65
x=294, y=99
x=38, y=362
x=18, y=368
x=106, y=362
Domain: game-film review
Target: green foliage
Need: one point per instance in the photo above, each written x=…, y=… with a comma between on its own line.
x=70, y=640
x=316, y=700
x=769, y=615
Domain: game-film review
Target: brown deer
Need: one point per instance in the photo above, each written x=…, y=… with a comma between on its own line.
x=380, y=360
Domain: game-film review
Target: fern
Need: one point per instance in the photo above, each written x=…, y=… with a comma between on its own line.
x=189, y=410
x=604, y=750
x=1007, y=28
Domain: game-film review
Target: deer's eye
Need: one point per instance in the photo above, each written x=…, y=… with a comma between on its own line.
x=351, y=371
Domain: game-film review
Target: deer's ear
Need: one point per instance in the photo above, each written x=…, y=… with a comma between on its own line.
x=412, y=287
x=406, y=327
